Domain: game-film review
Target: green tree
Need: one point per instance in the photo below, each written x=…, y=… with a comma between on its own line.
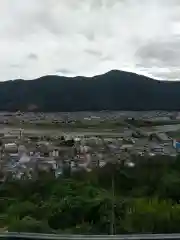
x=22, y=209
x=28, y=224
x=151, y=216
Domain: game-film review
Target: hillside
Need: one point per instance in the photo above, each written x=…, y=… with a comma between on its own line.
x=115, y=90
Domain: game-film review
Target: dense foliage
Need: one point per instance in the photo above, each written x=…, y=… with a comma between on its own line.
x=146, y=200
x=114, y=90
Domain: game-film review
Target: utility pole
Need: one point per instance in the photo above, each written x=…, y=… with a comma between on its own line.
x=0, y=157
x=112, y=226
x=21, y=134
x=1, y=163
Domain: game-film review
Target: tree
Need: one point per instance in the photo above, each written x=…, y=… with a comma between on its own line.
x=28, y=224
x=151, y=216
x=21, y=209
x=169, y=186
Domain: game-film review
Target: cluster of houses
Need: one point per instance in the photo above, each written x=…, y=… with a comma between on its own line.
x=24, y=155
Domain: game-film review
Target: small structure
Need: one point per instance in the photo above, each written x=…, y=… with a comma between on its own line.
x=176, y=145
x=10, y=148
x=126, y=146
x=24, y=159
x=157, y=149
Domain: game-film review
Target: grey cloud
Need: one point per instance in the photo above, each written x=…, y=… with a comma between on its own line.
x=95, y=53
x=164, y=53
x=64, y=71
x=90, y=36
x=171, y=75
x=14, y=65
x=32, y=56
x=68, y=33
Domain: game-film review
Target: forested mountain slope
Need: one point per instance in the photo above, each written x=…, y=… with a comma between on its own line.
x=115, y=90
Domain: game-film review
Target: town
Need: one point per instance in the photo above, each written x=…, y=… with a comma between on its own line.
x=25, y=150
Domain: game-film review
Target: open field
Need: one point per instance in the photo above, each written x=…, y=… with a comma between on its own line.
x=62, y=131
x=85, y=129
x=91, y=123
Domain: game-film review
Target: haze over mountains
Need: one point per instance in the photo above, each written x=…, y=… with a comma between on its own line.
x=115, y=90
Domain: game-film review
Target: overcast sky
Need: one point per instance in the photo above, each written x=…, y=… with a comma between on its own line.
x=88, y=37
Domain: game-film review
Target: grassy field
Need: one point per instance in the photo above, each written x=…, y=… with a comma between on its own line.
x=174, y=134
x=111, y=125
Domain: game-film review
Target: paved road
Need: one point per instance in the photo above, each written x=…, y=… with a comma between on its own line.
x=136, y=129
x=91, y=237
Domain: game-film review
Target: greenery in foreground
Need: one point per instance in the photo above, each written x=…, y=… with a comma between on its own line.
x=146, y=200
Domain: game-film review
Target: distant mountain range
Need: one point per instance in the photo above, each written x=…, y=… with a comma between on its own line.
x=114, y=90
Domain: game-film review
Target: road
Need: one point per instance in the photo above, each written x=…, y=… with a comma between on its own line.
x=136, y=129
x=90, y=237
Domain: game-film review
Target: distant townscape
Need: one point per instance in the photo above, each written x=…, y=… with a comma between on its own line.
x=83, y=140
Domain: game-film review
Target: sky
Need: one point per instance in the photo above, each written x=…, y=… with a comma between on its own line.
x=89, y=37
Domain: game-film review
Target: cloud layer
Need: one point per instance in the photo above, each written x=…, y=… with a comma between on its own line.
x=88, y=37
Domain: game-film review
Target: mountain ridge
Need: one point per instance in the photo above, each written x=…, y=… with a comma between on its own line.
x=113, y=71
x=114, y=90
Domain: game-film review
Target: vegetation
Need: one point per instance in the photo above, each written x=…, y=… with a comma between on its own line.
x=174, y=134
x=88, y=125
x=146, y=200
x=115, y=90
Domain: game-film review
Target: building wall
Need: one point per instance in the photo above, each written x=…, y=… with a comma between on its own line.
x=176, y=145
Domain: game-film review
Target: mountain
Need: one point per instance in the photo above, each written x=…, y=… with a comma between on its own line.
x=114, y=90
